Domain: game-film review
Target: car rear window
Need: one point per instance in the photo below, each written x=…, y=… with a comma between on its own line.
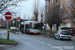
x=65, y=32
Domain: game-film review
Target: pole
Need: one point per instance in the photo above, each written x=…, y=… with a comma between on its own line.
x=24, y=26
x=19, y=26
x=13, y=25
x=7, y=31
x=45, y=17
x=16, y=21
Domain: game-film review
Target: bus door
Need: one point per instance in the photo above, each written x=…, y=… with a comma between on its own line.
x=26, y=28
x=21, y=28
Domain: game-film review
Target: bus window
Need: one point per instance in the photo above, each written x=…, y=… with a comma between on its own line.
x=30, y=25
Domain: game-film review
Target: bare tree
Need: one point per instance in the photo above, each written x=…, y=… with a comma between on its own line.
x=58, y=16
x=42, y=13
x=33, y=18
x=53, y=17
x=36, y=9
x=50, y=18
x=73, y=9
x=8, y=3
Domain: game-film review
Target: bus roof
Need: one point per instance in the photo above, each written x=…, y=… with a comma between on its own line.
x=27, y=22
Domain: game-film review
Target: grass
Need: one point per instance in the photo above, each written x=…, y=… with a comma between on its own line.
x=6, y=41
x=47, y=32
x=3, y=29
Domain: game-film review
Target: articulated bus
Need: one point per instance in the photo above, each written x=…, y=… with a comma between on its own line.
x=30, y=27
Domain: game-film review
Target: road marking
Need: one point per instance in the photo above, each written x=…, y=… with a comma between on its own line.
x=38, y=41
x=42, y=42
x=49, y=44
x=61, y=49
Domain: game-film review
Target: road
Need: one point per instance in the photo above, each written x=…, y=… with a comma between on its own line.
x=37, y=42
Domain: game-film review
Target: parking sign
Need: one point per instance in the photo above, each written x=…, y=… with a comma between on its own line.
x=55, y=25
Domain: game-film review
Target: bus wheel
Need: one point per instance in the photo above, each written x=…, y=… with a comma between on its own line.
x=37, y=34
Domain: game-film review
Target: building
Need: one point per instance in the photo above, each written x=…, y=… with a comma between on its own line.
x=63, y=9
x=67, y=18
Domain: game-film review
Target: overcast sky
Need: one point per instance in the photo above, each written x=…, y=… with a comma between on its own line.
x=26, y=8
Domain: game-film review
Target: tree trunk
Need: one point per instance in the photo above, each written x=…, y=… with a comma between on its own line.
x=50, y=30
x=36, y=17
x=57, y=27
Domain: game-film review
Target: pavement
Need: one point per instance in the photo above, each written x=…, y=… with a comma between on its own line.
x=73, y=38
x=37, y=42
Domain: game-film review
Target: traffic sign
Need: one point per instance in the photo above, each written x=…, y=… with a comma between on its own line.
x=8, y=15
x=55, y=25
x=18, y=18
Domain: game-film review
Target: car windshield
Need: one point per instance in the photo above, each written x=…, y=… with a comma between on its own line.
x=65, y=32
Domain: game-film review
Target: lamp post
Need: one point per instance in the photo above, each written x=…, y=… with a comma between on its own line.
x=45, y=16
x=41, y=20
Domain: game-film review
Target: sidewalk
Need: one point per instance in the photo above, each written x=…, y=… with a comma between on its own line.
x=1, y=47
x=73, y=38
x=18, y=33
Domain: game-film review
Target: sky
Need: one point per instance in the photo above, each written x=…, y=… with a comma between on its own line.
x=25, y=8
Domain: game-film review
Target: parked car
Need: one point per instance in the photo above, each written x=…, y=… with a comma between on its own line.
x=63, y=34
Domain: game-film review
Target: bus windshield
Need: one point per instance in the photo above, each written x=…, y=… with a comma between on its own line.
x=37, y=26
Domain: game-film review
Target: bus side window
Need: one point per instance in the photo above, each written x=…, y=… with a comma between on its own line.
x=30, y=25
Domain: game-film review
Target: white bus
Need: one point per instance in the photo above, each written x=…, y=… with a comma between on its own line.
x=30, y=27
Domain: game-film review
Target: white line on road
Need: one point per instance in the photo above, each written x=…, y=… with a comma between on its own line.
x=38, y=41
x=49, y=44
x=42, y=42
x=61, y=49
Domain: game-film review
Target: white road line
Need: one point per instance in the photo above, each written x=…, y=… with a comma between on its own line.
x=38, y=41
x=49, y=44
x=61, y=49
x=42, y=42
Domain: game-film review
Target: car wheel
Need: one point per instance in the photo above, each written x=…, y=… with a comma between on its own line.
x=54, y=37
x=59, y=38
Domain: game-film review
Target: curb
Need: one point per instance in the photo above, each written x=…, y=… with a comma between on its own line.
x=9, y=43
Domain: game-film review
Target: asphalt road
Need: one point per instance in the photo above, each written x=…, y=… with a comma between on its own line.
x=37, y=42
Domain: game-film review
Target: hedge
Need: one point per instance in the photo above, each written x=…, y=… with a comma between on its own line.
x=2, y=27
x=68, y=28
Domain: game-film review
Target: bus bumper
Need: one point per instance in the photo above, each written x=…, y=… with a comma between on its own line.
x=35, y=32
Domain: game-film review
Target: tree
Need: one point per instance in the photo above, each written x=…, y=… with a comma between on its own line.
x=42, y=13
x=36, y=10
x=58, y=16
x=73, y=9
x=33, y=18
x=53, y=17
x=50, y=18
x=8, y=3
